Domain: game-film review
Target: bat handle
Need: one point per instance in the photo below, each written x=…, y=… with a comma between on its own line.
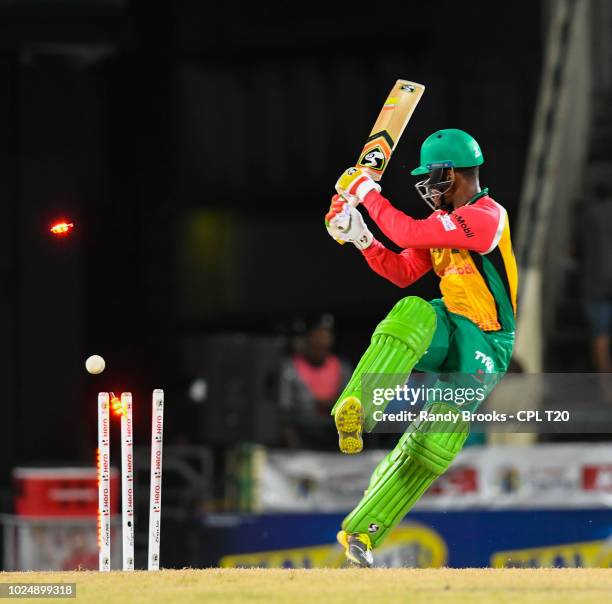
x=353, y=203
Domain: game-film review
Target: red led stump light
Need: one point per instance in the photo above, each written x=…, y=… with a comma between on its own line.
x=61, y=228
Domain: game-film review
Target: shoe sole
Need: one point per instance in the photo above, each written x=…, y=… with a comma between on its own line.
x=349, y=423
x=342, y=539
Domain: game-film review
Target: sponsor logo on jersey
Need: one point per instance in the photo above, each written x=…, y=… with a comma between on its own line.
x=467, y=269
x=447, y=222
x=467, y=231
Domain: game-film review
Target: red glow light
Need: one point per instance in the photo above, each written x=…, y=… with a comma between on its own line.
x=116, y=405
x=62, y=228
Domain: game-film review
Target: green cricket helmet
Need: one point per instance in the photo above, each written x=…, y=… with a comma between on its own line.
x=444, y=149
x=452, y=148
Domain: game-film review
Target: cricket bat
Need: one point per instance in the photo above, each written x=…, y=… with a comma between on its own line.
x=389, y=127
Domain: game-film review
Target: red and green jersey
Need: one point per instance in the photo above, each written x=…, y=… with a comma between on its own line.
x=470, y=249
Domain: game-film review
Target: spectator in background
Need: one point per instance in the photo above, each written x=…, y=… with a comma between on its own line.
x=597, y=270
x=311, y=380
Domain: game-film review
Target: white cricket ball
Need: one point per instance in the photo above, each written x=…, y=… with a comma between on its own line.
x=95, y=364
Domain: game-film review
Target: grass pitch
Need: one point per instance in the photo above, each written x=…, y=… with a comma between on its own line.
x=337, y=586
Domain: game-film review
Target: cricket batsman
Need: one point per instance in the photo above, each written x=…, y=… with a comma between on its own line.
x=468, y=331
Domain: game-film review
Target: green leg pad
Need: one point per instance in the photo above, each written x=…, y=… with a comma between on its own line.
x=422, y=454
x=399, y=341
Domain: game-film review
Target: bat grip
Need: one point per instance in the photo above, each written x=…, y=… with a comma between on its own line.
x=353, y=203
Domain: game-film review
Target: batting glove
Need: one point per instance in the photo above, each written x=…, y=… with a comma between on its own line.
x=345, y=222
x=354, y=184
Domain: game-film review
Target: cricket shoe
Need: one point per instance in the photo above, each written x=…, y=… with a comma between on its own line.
x=357, y=548
x=349, y=423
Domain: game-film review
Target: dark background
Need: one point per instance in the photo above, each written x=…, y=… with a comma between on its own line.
x=195, y=147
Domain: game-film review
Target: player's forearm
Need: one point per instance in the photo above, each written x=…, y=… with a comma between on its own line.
x=396, y=268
